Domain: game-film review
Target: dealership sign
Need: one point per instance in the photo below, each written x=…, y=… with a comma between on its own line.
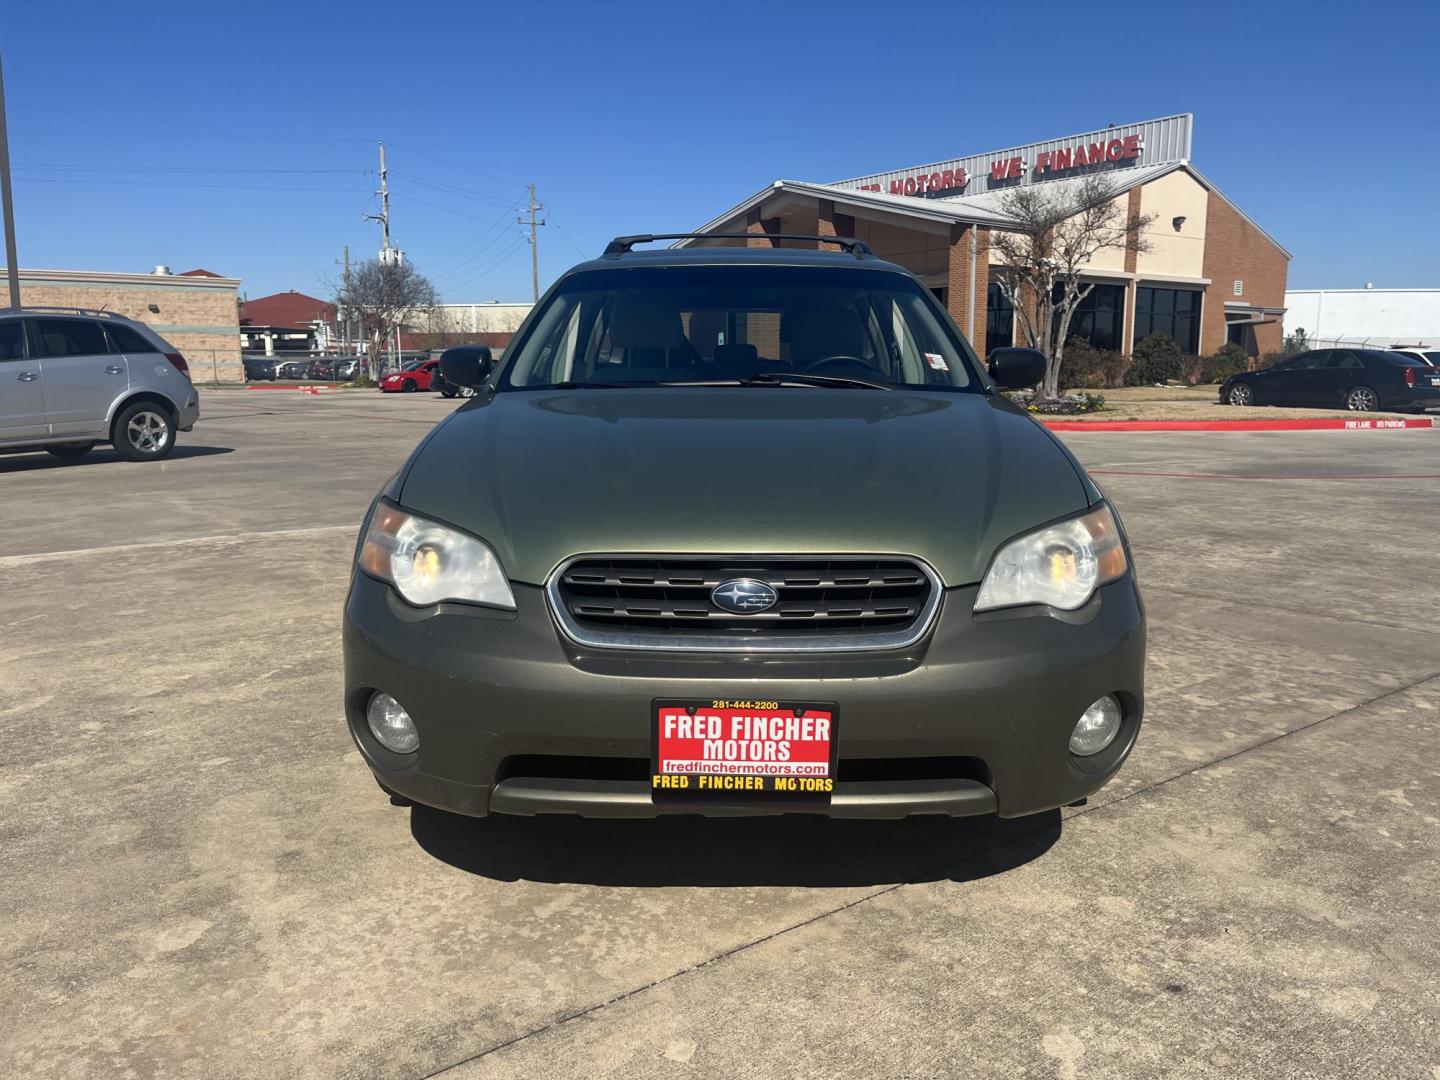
x=1047, y=163
x=1159, y=141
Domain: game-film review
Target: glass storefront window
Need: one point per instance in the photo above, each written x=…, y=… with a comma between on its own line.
x=1175, y=311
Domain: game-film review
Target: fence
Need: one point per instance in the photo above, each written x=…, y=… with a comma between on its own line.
x=1374, y=341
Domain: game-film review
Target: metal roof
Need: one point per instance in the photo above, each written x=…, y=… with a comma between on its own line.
x=983, y=208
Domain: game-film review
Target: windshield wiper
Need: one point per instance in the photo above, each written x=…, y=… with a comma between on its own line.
x=805, y=379
x=571, y=385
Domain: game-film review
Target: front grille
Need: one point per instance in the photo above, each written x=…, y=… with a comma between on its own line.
x=666, y=602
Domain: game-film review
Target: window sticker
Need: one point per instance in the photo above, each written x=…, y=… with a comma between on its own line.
x=936, y=361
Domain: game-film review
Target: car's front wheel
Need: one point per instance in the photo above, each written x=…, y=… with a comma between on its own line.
x=143, y=432
x=1362, y=399
x=1240, y=394
x=448, y=391
x=408, y=386
x=73, y=452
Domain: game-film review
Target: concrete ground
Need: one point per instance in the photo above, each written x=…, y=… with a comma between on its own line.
x=201, y=879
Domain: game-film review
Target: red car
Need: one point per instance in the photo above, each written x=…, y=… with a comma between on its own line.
x=415, y=375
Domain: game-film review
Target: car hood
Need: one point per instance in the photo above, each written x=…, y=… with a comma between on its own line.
x=544, y=475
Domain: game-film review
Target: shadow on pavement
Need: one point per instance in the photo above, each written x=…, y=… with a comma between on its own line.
x=31, y=460
x=799, y=850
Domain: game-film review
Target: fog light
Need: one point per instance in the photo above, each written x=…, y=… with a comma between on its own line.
x=1097, y=728
x=392, y=727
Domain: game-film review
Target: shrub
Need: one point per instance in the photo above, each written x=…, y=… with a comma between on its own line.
x=1157, y=359
x=1089, y=368
x=1192, y=368
x=1230, y=360
x=1064, y=405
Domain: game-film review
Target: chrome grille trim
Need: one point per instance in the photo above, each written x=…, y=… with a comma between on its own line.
x=667, y=640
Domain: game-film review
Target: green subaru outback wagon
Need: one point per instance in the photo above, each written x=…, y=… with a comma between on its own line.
x=737, y=530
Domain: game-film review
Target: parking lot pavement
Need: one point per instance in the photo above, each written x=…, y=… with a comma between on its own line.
x=202, y=880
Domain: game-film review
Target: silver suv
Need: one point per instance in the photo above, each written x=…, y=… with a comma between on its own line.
x=71, y=378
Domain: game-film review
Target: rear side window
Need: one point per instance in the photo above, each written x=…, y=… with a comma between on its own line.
x=1402, y=360
x=125, y=340
x=1343, y=360
x=71, y=337
x=12, y=340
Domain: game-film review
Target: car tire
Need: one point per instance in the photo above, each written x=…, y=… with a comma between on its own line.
x=396, y=799
x=73, y=452
x=408, y=386
x=1240, y=395
x=1362, y=399
x=449, y=392
x=143, y=431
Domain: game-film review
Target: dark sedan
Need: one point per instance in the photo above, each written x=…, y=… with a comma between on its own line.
x=1362, y=380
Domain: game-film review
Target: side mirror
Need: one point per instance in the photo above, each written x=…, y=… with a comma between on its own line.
x=466, y=367
x=1017, y=368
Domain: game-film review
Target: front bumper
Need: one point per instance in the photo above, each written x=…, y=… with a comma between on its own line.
x=490, y=689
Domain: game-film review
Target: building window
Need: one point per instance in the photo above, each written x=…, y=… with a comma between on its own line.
x=1100, y=318
x=1175, y=311
x=999, y=319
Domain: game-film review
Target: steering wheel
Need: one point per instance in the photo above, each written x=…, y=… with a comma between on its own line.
x=842, y=360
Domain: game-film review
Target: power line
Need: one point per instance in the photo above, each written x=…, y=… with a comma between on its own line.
x=162, y=183
x=59, y=166
x=457, y=165
x=489, y=268
x=451, y=189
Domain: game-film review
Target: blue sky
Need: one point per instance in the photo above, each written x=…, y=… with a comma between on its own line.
x=245, y=135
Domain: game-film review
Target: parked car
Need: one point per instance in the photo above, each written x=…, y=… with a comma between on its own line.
x=259, y=368
x=1424, y=353
x=445, y=386
x=1362, y=380
x=742, y=530
x=346, y=368
x=293, y=369
x=74, y=378
x=415, y=375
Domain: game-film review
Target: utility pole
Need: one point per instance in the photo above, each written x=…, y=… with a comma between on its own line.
x=345, y=315
x=384, y=216
x=7, y=201
x=534, y=248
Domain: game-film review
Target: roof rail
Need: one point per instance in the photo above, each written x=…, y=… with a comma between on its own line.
x=88, y=312
x=621, y=245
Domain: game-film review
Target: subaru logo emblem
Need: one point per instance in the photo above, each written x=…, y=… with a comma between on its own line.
x=744, y=596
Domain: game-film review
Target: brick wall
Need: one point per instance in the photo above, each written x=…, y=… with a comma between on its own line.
x=199, y=316
x=957, y=282
x=1235, y=249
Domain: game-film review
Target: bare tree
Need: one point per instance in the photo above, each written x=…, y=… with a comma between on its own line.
x=1059, y=229
x=381, y=297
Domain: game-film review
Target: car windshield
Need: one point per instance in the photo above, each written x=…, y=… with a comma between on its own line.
x=413, y=365
x=755, y=325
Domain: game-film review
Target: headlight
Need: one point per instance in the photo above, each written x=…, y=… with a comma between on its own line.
x=428, y=563
x=1060, y=565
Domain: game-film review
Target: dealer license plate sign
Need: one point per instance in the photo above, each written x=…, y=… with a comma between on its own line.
x=743, y=751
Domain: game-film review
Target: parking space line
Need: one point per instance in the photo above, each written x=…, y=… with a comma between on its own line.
x=352, y=527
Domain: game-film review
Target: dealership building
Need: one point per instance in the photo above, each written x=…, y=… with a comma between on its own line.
x=1205, y=271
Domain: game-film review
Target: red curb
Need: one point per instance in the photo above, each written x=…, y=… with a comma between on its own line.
x=1321, y=423
x=309, y=388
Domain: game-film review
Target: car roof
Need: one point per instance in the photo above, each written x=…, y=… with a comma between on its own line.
x=74, y=312
x=737, y=256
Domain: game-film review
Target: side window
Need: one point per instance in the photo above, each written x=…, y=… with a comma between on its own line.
x=1342, y=359
x=71, y=337
x=12, y=340
x=1306, y=361
x=125, y=340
